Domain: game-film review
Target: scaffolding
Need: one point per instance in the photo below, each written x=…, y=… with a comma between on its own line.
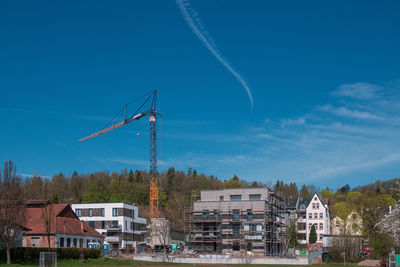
x=216, y=231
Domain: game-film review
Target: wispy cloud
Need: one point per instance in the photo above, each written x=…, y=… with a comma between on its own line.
x=351, y=113
x=194, y=22
x=358, y=90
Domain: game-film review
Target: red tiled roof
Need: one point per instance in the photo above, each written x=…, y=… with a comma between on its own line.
x=61, y=214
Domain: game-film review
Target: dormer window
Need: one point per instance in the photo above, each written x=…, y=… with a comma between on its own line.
x=302, y=207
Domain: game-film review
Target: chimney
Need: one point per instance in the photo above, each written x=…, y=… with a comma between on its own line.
x=82, y=226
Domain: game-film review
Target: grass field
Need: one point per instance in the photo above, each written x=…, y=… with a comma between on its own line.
x=112, y=262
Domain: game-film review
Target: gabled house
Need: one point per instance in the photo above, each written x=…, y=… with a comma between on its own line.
x=317, y=214
x=64, y=227
x=352, y=226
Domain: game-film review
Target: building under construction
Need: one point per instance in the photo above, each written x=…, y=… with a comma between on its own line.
x=225, y=221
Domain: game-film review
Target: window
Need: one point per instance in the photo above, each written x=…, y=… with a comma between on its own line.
x=78, y=212
x=131, y=225
x=205, y=215
x=313, y=205
x=255, y=197
x=75, y=243
x=126, y=225
x=317, y=205
x=321, y=236
x=315, y=215
x=133, y=214
x=102, y=212
x=61, y=245
x=302, y=207
x=221, y=198
x=91, y=224
x=249, y=215
x=103, y=226
x=310, y=216
x=90, y=212
x=309, y=225
x=236, y=197
x=68, y=242
x=115, y=212
x=215, y=215
x=321, y=226
x=321, y=215
x=236, y=215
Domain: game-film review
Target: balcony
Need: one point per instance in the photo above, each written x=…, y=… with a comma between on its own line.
x=114, y=227
x=113, y=239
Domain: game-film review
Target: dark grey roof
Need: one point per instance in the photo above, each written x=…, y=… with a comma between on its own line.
x=303, y=201
x=291, y=203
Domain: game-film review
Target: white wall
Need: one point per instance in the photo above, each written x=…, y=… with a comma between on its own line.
x=317, y=207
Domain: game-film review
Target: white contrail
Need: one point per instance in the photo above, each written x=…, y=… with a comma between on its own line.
x=198, y=29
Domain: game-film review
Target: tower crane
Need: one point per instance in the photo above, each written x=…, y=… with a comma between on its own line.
x=152, y=112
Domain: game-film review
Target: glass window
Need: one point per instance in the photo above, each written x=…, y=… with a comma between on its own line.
x=321, y=226
x=91, y=224
x=215, y=215
x=310, y=215
x=309, y=225
x=236, y=215
x=255, y=197
x=320, y=237
x=115, y=212
x=133, y=214
x=236, y=197
x=61, y=245
x=68, y=242
x=102, y=212
x=317, y=205
x=78, y=212
x=249, y=215
x=221, y=198
x=313, y=205
x=315, y=215
x=126, y=225
x=103, y=226
x=321, y=216
x=90, y=212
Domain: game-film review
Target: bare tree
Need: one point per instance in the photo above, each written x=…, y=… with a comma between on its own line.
x=160, y=232
x=47, y=215
x=12, y=206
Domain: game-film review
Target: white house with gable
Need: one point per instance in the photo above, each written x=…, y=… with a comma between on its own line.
x=317, y=213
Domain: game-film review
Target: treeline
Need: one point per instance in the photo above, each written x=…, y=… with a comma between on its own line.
x=177, y=189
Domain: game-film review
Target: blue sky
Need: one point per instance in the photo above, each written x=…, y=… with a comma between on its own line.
x=324, y=76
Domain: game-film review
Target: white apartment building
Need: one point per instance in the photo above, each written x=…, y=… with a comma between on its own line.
x=119, y=223
x=317, y=213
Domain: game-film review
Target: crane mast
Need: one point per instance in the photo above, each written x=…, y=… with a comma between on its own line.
x=152, y=112
x=153, y=159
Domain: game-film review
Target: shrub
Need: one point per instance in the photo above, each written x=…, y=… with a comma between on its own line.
x=32, y=254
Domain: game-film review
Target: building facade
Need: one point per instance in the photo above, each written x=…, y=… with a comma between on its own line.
x=233, y=220
x=57, y=224
x=318, y=215
x=306, y=212
x=119, y=223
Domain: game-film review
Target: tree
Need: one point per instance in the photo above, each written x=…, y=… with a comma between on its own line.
x=160, y=230
x=12, y=207
x=313, y=235
x=304, y=192
x=293, y=236
x=390, y=225
x=47, y=215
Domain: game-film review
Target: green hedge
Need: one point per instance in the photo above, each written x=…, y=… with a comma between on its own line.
x=32, y=254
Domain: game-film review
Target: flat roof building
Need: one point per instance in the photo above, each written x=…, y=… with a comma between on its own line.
x=229, y=220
